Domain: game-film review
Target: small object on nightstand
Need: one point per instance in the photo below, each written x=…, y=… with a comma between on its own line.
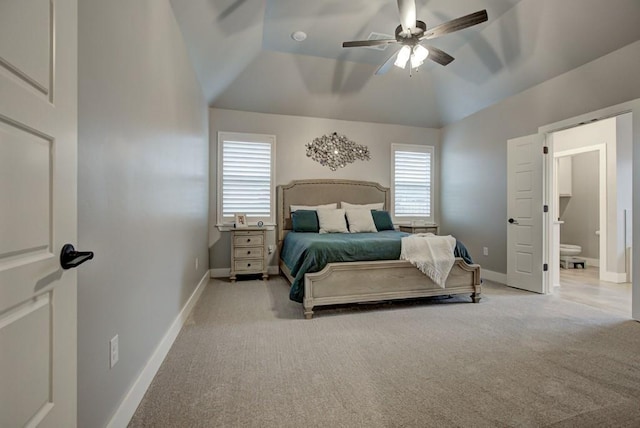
x=248, y=254
x=425, y=228
x=260, y=223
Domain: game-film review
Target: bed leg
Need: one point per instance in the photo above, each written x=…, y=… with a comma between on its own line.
x=308, y=313
x=476, y=297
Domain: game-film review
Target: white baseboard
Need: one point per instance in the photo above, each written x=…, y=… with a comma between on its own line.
x=224, y=272
x=490, y=275
x=219, y=273
x=128, y=406
x=592, y=262
x=616, y=277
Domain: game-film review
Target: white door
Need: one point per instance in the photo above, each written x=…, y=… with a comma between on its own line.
x=525, y=213
x=38, y=131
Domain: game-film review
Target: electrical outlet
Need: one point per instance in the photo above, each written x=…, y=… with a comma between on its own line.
x=485, y=251
x=113, y=351
x=196, y=263
x=271, y=248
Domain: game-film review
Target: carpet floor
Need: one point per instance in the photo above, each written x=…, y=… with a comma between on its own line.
x=247, y=358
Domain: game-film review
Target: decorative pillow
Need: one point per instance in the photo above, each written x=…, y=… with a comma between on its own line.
x=313, y=207
x=305, y=221
x=376, y=206
x=382, y=219
x=360, y=220
x=332, y=221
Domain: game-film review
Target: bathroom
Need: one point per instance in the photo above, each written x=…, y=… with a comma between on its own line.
x=592, y=200
x=579, y=210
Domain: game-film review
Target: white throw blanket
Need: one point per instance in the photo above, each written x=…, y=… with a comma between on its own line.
x=432, y=254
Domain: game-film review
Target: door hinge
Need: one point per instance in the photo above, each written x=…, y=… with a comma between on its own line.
x=545, y=150
x=545, y=267
x=545, y=208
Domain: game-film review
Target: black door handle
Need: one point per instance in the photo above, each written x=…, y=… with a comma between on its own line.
x=70, y=258
x=512, y=221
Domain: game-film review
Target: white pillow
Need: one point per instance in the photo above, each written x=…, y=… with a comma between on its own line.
x=313, y=207
x=376, y=206
x=360, y=220
x=332, y=221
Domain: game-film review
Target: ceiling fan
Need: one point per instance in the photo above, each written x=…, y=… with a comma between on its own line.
x=411, y=33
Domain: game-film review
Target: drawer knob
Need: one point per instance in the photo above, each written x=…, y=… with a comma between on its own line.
x=248, y=239
x=248, y=252
x=249, y=264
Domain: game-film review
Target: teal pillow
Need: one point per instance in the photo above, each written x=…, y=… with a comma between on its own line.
x=382, y=219
x=305, y=221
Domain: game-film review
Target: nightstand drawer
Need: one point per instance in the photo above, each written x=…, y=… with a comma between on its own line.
x=247, y=239
x=248, y=266
x=248, y=252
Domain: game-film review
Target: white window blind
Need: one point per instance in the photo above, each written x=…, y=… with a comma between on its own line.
x=246, y=175
x=412, y=182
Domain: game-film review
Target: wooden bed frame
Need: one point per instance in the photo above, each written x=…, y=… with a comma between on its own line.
x=372, y=281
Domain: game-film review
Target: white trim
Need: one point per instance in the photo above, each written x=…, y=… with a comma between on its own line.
x=224, y=272
x=220, y=273
x=490, y=275
x=129, y=404
x=591, y=262
x=593, y=116
x=615, y=277
x=229, y=227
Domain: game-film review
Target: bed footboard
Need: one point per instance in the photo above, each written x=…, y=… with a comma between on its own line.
x=375, y=281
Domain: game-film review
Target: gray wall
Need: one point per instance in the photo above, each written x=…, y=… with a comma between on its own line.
x=142, y=191
x=581, y=211
x=474, y=150
x=292, y=133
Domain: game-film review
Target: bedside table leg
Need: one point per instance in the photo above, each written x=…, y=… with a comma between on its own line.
x=265, y=276
x=232, y=278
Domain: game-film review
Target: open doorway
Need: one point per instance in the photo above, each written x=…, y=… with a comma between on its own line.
x=590, y=200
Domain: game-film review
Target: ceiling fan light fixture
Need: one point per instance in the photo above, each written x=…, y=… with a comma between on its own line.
x=411, y=32
x=420, y=53
x=403, y=57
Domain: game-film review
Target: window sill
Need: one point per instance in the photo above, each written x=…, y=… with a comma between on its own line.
x=229, y=227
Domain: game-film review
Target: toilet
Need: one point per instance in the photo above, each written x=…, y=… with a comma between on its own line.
x=568, y=257
x=570, y=250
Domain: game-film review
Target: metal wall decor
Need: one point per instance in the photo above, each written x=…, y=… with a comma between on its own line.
x=336, y=151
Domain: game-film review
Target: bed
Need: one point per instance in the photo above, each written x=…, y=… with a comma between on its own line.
x=360, y=281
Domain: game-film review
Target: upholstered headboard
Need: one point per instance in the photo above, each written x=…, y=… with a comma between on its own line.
x=325, y=191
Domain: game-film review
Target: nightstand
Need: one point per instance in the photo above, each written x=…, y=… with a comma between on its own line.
x=248, y=255
x=423, y=228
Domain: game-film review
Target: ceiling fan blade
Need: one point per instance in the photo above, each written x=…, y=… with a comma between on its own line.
x=407, y=9
x=439, y=56
x=386, y=66
x=456, y=25
x=359, y=43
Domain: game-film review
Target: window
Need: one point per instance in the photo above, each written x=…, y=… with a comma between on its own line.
x=246, y=165
x=412, y=182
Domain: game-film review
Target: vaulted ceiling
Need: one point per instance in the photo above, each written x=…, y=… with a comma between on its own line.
x=246, y=59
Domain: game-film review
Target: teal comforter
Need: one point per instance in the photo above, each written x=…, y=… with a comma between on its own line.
x=310, y=252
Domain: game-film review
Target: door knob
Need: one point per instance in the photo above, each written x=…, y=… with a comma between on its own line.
x=70, y=258
x=512, y=221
